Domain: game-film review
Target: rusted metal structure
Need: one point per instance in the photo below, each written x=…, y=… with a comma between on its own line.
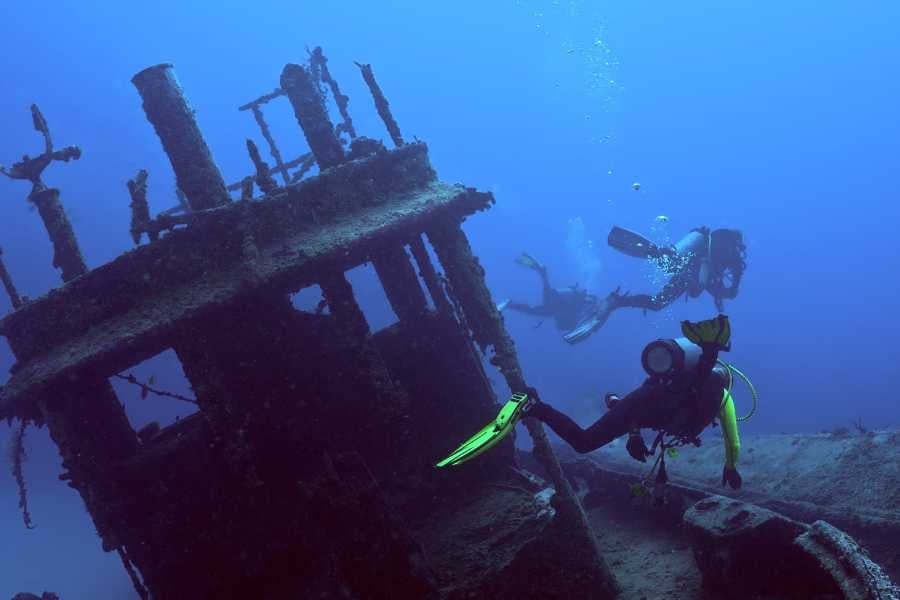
x=308, y=466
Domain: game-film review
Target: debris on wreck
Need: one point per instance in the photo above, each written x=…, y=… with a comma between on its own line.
x=778, y=537
x=16, y=458
x=29, y=596
x=14, y=299
x=307, y=470
x=743, y=547
x=66, y=253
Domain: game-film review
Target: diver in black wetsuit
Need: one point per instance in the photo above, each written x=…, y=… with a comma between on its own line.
x=703, y=260
x=569, y=307
x=685, y=392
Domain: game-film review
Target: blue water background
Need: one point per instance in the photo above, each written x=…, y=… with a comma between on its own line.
x=776, y=118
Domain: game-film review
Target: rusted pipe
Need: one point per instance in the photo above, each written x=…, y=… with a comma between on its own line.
x=172, y=117
x=309, y=107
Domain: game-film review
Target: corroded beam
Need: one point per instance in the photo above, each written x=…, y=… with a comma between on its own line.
x=466, y=277
x=381, y=104
x=8, y=285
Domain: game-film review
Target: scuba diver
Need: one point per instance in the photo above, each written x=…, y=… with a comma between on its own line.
x=686, y=389
x=569, y=307
x=704, y=259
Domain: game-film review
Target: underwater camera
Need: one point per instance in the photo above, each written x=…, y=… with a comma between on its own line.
x=670, y=359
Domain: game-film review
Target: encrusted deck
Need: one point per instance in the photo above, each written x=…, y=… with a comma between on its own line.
x=128, y=310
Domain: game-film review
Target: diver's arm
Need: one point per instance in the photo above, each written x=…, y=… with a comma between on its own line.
x=674, y=289
x=676, y=286
x=706, y=363
x=730, y=434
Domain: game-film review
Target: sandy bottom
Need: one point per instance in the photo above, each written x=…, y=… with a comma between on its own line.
x=651, y=558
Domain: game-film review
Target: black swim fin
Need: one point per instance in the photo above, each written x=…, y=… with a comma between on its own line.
x=634, y=244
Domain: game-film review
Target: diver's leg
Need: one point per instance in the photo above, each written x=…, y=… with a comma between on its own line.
x=634, y=411
x=538, y=311
x=548, y=294
x=594, y=317
x=671, y=291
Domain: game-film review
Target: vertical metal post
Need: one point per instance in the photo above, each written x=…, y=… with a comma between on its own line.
x=308, y=102
x=381, y=104
x=467, y=278
x=66, y=253
x=338, y=293
x=89, y=426
x=170, y=114
x=429, y=275
x=398, y=278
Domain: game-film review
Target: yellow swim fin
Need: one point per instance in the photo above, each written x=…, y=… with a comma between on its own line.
x=491, y=434
x=711, y=331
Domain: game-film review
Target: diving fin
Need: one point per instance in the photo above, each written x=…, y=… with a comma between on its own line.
x=715, y=331
x=634, y=244
x=583, y=330
x=526, y=260
x=491, y=434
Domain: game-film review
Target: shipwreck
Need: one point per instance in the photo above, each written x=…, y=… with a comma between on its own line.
x=313, y=446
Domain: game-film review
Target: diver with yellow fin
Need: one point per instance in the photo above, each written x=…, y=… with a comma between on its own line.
x=687, y=388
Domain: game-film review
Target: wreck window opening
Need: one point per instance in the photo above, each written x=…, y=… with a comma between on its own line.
x=310, y=300
x=155, y=393
x=371, y=297
x=334, y=115
x=288, y=137
x=6, y=360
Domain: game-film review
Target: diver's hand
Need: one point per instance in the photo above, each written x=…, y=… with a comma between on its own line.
x=711, y=334
x=533, y=404
x=732, y=478
x=636, y=447
x=611, y=399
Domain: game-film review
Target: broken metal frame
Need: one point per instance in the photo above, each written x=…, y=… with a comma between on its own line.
x=320, y=74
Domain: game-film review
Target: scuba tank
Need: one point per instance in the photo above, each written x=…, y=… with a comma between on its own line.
x=673, y=360
x=669, y=360
x=692, y=249
x=695, y=247
x=695, y=242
